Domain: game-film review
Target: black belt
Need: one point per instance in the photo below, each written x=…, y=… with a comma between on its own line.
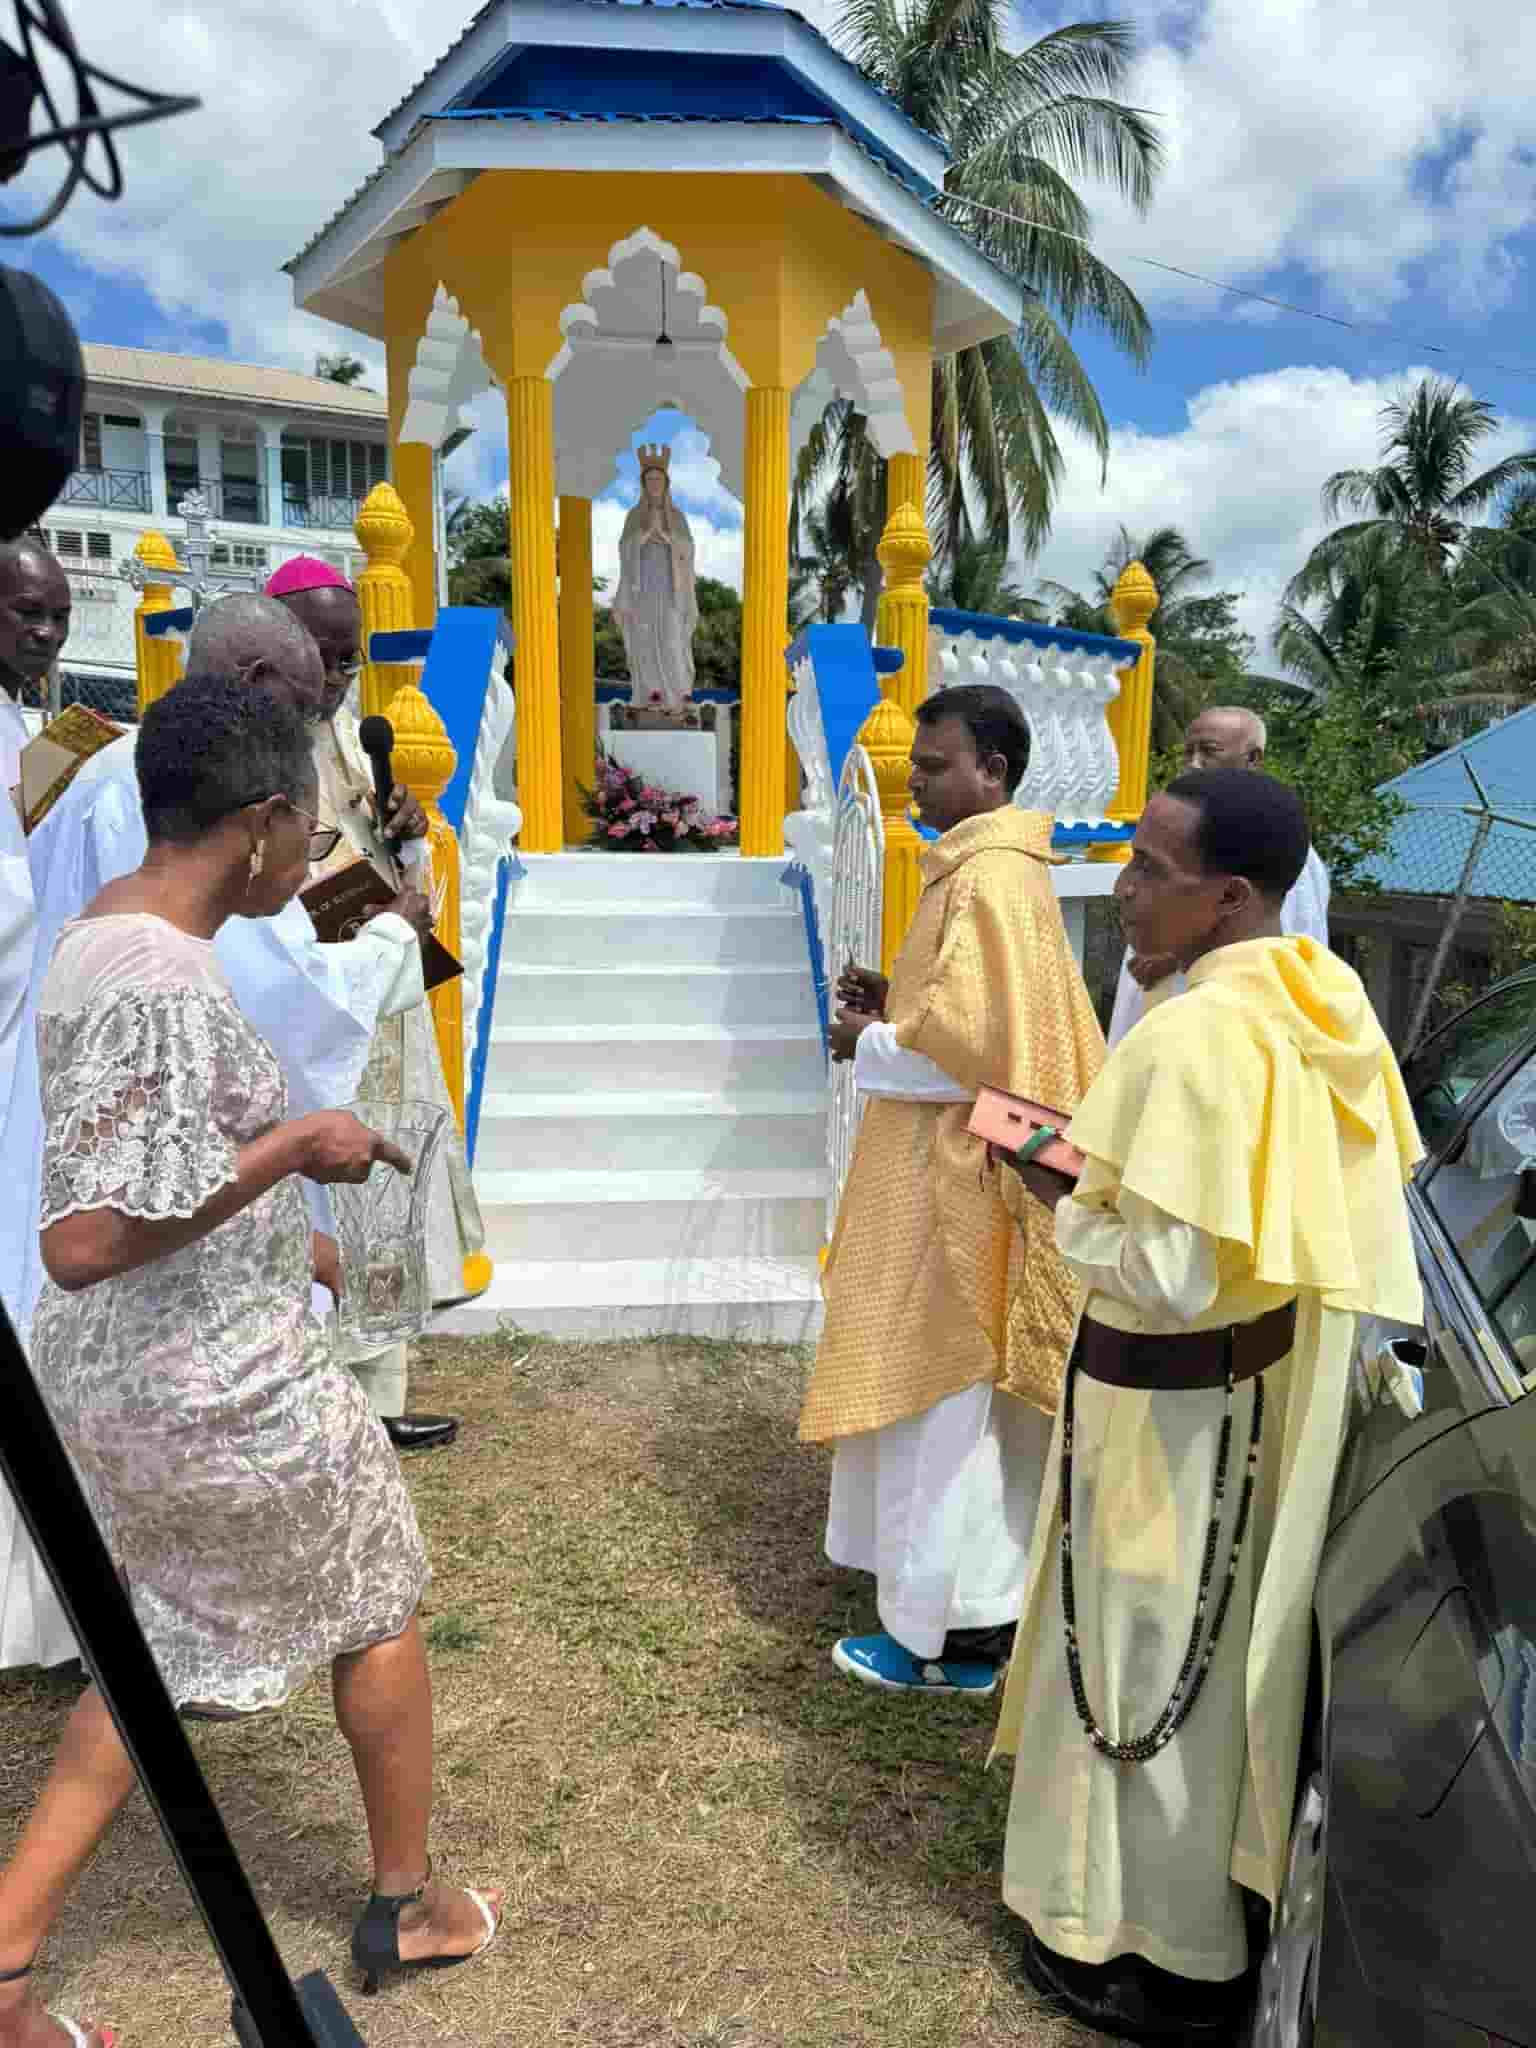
x=1193, y=1358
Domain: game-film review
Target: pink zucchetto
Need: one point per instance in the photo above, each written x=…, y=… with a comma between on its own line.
x=305, y=572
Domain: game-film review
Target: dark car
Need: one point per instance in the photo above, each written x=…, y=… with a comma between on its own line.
x=1408, y=1917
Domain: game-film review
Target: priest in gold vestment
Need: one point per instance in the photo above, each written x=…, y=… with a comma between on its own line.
x=404, y=1061
x=949, y=1310
x=1241, y=1204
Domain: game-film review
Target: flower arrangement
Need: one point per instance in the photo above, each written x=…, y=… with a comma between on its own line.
x=631, y=815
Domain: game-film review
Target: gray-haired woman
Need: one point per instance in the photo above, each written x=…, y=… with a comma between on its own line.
x=244, y=1486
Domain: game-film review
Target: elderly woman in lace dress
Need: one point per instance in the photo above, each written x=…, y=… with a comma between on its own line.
x=247, y=1491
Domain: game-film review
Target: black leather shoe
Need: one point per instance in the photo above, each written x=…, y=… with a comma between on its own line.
x=421, y=1432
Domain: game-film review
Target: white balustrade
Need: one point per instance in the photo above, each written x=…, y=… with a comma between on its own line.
x=809, y=832
x=851, y=931
x=1064, y=691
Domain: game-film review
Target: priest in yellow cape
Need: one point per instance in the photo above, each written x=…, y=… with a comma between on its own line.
x=948, y=1309
x=1241, y=1204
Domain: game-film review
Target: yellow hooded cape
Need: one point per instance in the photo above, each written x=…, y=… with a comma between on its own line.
x=1265, y=1108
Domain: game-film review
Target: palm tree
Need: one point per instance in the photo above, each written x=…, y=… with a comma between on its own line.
x=1021, y=126
x=846, y=518
x=976, y=580
x=1424, y=493
x=341, y=368
x=1358, y=609
x=1179, y=690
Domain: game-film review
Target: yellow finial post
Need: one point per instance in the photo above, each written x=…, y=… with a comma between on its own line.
x=1131, y=604
x=384, y=533
x=886, y=736
x=902, y=620
x=158, y=661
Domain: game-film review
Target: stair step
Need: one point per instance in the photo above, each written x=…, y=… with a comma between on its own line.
x=579, y=1214
x=667, y=1129
x=633, y=996
x=618, y=935
x=749, y=1299
x=542, y=1057
x=710, y=878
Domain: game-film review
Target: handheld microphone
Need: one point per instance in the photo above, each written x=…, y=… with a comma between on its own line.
x=376, y=736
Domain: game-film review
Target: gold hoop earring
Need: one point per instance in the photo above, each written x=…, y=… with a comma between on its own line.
x=258, y=861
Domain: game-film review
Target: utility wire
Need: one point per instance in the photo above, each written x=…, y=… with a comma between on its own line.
x=1237, y=291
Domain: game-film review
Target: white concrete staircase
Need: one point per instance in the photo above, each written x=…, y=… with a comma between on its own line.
x=652, y=1144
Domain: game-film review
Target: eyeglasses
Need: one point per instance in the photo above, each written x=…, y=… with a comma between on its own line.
x=350, y=669
x=323, y=839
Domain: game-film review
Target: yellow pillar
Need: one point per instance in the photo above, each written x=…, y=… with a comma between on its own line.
x=413, y=480
x=902, y=620
x=886, y=736
x=578, y=702
x=1131, y=604
x=764, y=611
x=384, y=593
x=531, y=493
x=158, y=661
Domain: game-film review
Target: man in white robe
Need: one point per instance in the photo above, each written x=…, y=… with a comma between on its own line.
x=1226, y=736
x=1240, y=1205
x=316, y=1005
x=34, y=625
x=405, y=1061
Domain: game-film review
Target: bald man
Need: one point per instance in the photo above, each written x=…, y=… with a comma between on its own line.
x=1225, y=736
x=34, y=625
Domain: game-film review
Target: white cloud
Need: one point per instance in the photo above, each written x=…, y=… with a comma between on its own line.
x=1241, y=480
x=1377, y=146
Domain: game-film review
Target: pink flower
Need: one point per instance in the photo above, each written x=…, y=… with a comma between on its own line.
x=617, y=831
x=644, y=821
x=627, y=803
x=651, y=796
x=670, y=819
x=649, y=846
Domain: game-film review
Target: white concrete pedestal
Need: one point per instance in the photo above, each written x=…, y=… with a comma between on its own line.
x=1075, y=882
x=693, y=763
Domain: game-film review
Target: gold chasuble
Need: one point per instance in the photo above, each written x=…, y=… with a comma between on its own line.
x=937, y=1277
x=1262, y=1110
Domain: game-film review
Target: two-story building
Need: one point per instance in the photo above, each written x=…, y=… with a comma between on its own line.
x=284, y=461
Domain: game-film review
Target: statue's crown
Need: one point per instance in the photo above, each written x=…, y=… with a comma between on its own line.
x=655, y=455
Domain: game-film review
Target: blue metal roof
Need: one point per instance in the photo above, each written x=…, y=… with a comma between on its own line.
x=1432, y=839
x=710, y=6
x=541, y=82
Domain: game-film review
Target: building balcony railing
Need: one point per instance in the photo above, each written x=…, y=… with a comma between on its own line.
x=337, y=514
x=108, y=490
x=237, y=501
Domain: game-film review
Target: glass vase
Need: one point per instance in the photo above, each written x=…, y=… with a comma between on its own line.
x=381, y=1227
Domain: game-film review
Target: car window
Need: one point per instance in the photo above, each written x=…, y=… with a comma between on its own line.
x=1461, y=1056
x=1484, y=1196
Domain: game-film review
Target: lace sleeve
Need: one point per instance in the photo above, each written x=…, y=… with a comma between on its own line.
x=127, y=1089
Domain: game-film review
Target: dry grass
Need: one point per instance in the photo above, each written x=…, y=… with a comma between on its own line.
x=708, y=1838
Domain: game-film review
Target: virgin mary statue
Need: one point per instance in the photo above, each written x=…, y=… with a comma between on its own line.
x=656, y=605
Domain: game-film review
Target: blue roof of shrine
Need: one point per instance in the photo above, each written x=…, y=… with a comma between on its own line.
x=605, y=65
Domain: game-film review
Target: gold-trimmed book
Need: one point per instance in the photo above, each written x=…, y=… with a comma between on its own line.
x=339, y=905
x=50, y=762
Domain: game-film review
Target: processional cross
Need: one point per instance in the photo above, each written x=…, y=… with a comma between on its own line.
x=195, y=573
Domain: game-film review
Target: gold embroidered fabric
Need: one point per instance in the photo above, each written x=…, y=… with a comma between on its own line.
x=940, y=1273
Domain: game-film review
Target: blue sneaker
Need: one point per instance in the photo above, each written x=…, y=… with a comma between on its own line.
x=881, y=1661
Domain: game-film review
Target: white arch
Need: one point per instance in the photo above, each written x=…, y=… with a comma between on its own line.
x=449, y=370
x=853, y=362
x=609, y=377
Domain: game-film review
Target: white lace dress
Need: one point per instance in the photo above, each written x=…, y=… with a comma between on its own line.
x=240, y=1479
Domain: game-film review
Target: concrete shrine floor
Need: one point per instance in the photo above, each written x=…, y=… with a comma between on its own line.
x=708, y=1838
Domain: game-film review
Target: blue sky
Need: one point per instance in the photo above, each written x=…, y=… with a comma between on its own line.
x=1371, y=159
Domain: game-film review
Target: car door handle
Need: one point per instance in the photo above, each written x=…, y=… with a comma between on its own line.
x=1397, y=1368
